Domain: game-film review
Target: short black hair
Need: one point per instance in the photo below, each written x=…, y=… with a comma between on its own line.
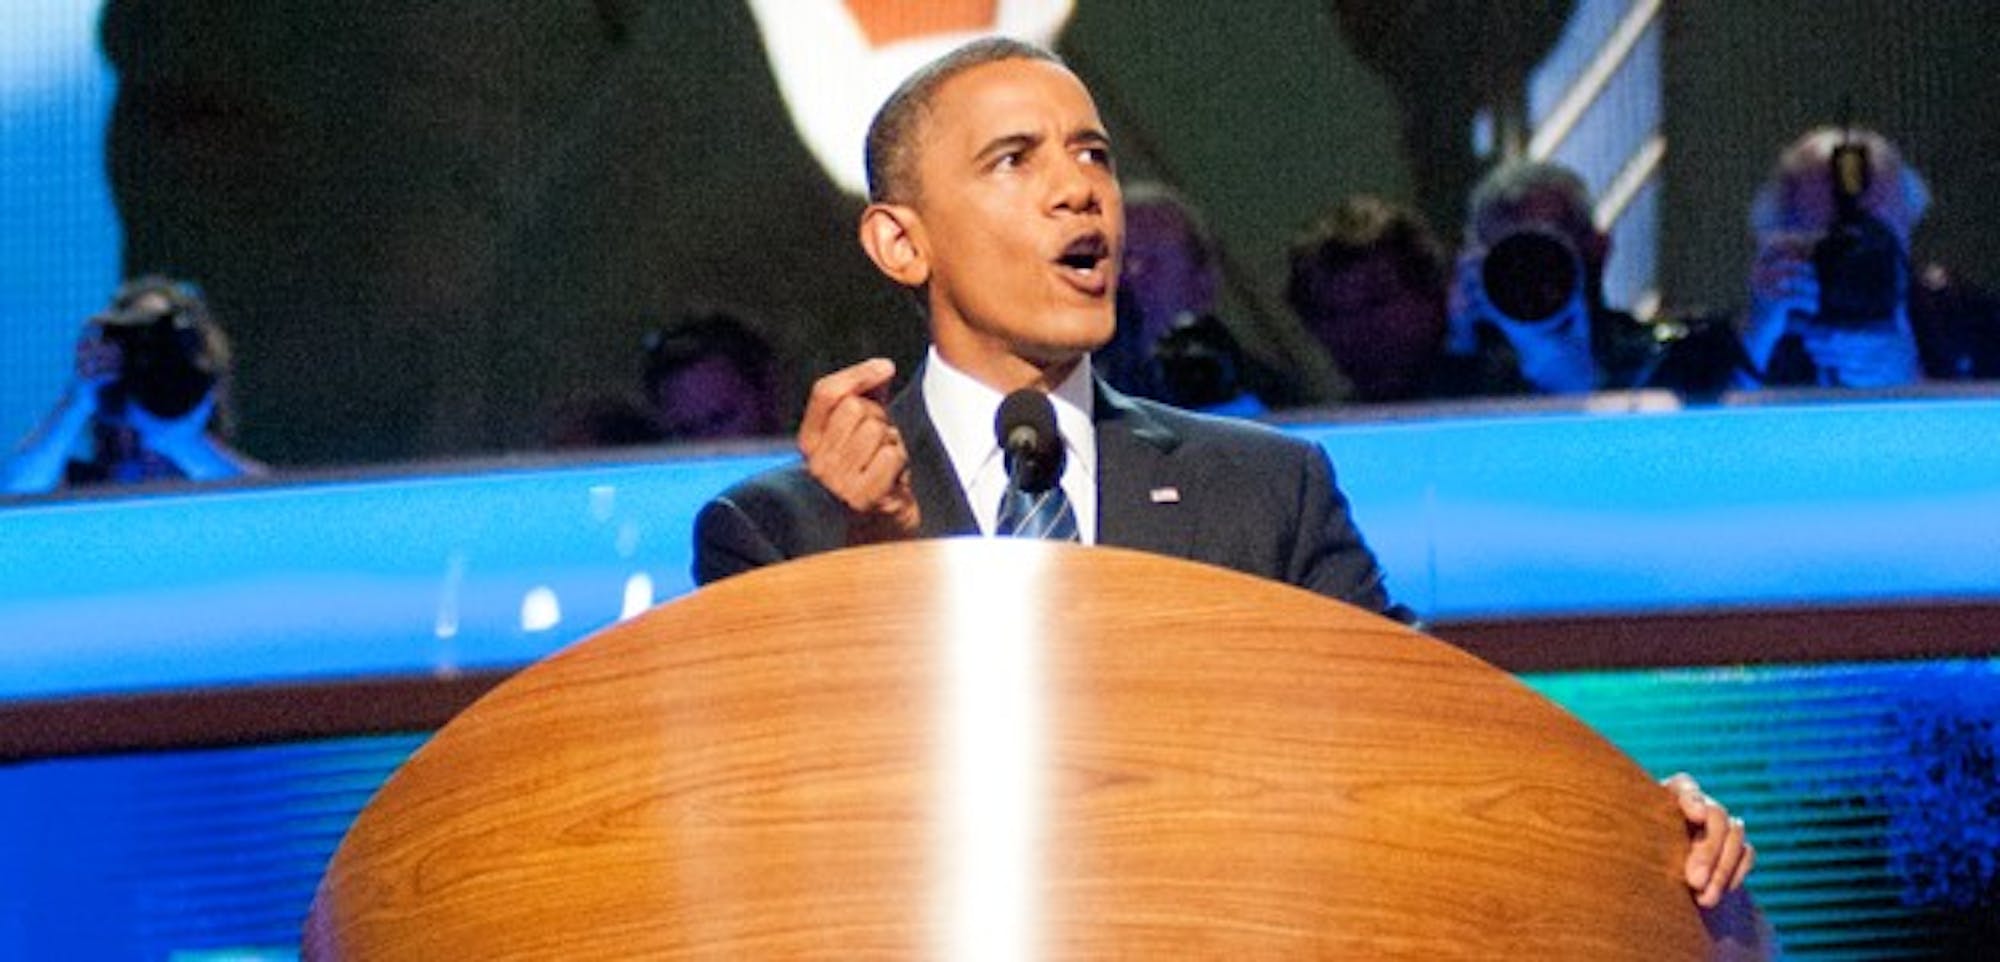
x=892, y=135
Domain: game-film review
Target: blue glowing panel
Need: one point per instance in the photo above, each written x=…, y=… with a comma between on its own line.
x=1577, y=513
x=180, y=855
x=1870, y=790
x=406, y=575
x=1473, y=517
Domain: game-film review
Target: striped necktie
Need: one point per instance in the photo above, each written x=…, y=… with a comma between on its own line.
x=1045, y=515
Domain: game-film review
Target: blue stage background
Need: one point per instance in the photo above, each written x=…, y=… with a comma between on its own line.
x=449, y=568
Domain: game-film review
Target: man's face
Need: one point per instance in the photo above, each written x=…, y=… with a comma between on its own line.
x=1020, y=221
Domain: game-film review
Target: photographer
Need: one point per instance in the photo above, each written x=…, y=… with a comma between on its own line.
x=1527, y=313
x=151, y=379
x=1833, y=299
x=1170, y=345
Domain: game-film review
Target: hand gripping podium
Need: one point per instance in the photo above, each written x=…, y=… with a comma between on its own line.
x=988, y=749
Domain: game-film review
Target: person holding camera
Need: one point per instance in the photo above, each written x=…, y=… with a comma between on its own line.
x=1170, y=345
x=1527, y=312
x=1833, y=299
x=149, y=390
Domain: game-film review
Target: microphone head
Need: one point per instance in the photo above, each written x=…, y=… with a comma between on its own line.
x=1025, y=426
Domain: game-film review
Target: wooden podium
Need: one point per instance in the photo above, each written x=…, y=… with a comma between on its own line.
x=1010, y=750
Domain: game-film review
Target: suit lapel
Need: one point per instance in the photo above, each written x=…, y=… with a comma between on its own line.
x=939, y=498
x=1140, y=485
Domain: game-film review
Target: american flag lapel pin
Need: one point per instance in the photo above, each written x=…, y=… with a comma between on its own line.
x=1166, y=495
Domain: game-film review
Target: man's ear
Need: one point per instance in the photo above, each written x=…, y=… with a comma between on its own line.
x=893, y=236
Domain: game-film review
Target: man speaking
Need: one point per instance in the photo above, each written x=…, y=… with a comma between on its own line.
x=993, y=197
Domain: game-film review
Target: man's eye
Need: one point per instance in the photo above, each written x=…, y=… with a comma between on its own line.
x=1008, y=161
x=1101, y=156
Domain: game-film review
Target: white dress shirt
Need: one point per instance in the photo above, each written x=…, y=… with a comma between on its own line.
x=962, y=410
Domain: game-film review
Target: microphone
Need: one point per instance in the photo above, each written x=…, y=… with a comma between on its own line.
x=1025, y=426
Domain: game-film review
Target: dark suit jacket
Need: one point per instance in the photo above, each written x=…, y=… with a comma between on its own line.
x=1249, y=498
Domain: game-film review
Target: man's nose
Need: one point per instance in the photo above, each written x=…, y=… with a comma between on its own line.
x=1076, y=190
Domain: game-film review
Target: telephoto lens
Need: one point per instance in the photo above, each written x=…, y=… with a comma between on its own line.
x=1531, y=274
x=1196, y=364
x=1862, y=276
x=1859, y=263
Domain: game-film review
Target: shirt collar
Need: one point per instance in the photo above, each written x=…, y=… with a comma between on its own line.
x=962, y=409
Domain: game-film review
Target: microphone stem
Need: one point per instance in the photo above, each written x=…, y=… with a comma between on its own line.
x=1017, y=468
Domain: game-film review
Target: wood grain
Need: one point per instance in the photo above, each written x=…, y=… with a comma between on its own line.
x=1229, y=768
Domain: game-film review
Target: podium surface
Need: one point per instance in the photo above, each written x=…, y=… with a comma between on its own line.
x=1010, y=750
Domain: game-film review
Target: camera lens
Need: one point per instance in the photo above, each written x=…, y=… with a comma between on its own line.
x=1531, y=275
x=165, y=370
x=1862, y=278
x=1195, y=364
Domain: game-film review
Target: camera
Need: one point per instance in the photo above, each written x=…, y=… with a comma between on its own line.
x=1863, y=275
x=1197, y=364
x=1531, y=274
x=166, y=368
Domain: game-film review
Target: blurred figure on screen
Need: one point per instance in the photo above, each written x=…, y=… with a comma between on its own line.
x=1834, y=298
x=709, y=376
x=1368, y=281
x=148, y=402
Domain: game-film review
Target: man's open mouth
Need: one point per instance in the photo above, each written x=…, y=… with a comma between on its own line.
x=1085, y=261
